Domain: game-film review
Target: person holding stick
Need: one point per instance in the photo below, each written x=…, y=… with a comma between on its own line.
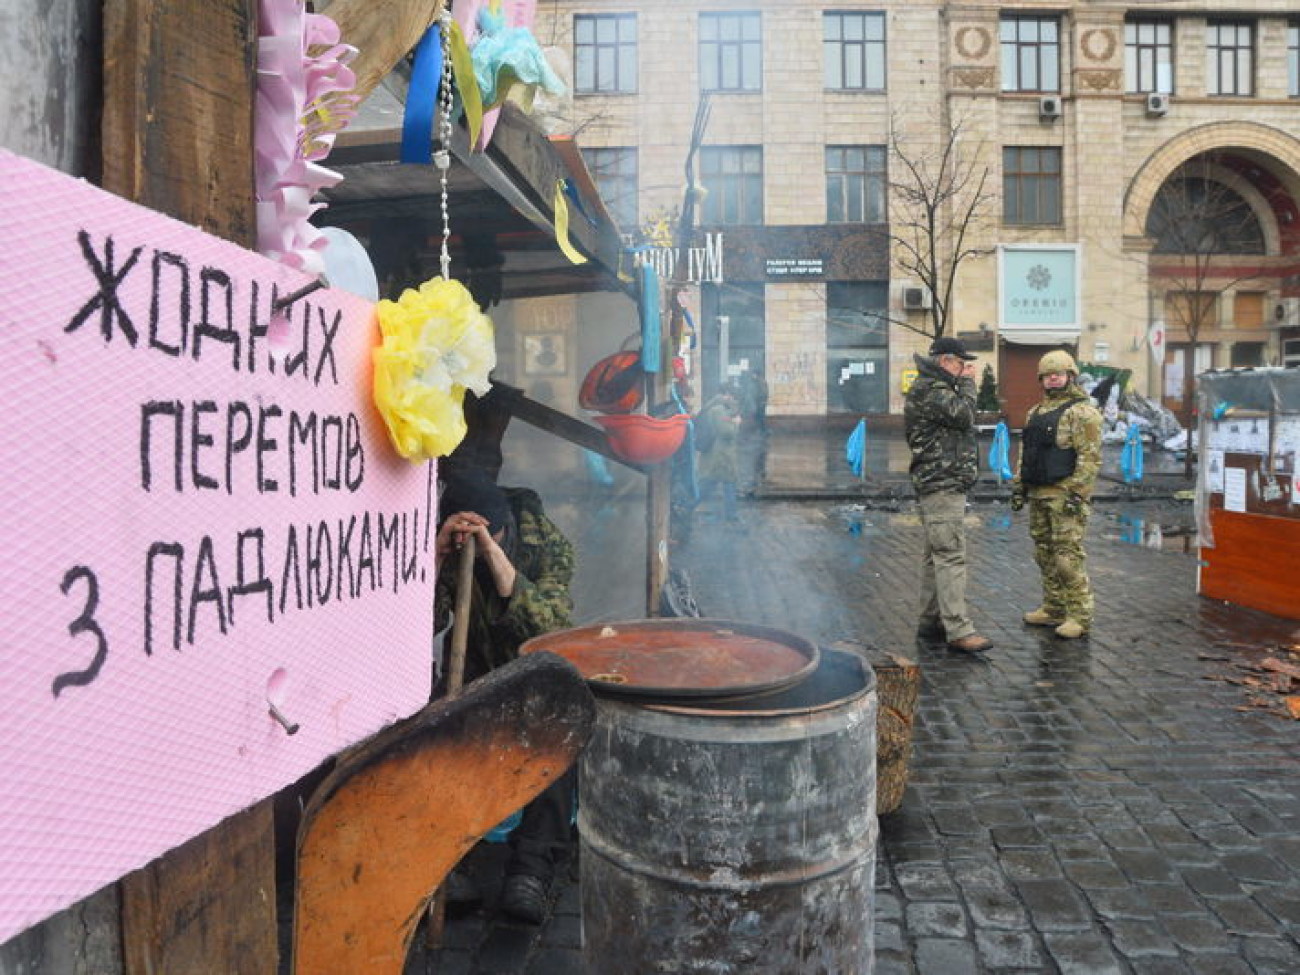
x=519, y=589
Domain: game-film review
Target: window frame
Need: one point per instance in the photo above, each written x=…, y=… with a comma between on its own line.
x=1293, y=59
x=871, y=52
x=861, y=335
x=731, y=189
x=621, y=184
x=1014, y=203
x=621, y=51
x=1016, y=51
x=870, y=178
x=713, y=49
x=1216, y=52
x=1137, y=50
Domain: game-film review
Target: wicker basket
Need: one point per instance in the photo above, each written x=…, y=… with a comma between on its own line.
x=898, y=683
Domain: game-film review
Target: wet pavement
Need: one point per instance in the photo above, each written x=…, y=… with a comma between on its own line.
x=1104, y=805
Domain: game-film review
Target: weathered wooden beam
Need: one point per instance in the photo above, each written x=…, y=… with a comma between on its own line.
x=382, y=33
x=391, y=821
x=566, y=427
x=178, y=110
x=207, y=906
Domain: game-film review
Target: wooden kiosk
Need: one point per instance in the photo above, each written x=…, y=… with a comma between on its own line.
x=1248, y=488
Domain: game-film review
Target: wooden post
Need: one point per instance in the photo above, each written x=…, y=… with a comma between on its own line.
x=455, y=681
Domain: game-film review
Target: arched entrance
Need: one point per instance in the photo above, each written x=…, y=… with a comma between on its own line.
x=1217, y=208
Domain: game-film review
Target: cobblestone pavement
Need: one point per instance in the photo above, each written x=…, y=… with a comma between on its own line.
x=1089, y=806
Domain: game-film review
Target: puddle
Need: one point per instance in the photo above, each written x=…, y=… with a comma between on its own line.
x=1135, y=530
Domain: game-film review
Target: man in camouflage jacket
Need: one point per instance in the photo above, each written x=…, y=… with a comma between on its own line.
x=522, y=572
x=1060, y=456
x=939, y=420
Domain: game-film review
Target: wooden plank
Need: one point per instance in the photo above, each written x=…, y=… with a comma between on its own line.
x=84, y=938
x=208, y=906
x=532, y=165
x=393, y=819
x=383, y=33
x=1251, y=562
x=178, y=96
x=567, y=428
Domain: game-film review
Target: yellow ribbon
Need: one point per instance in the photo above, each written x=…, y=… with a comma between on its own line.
x=462, y=69
x=561, y=208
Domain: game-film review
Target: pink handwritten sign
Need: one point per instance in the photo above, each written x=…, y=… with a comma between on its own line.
x=202, y=518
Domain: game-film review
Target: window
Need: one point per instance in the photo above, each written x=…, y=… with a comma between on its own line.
x=857, y=347
x=1230, y=57
x=853, y=50
x=1031, y=54
x=1031, y=185
x=1248, y=310
x=743, y=340
x=1197, y=215
x=1191, y=310
x=731, y=52
x=855, y=184
x=614, y=171
x=1149, y=56
x=1293, y=60
x=733, y=177
x=604, y=53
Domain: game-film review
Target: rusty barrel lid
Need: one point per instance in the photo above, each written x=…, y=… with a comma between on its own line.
x=682, y=658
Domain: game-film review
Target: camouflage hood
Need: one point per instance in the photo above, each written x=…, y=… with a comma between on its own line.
x=939, y=420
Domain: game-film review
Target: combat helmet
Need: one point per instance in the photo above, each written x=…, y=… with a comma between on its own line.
x=1058, y=360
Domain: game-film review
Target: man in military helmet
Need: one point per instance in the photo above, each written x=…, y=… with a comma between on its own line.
x=1060, y=455
x=939, y=420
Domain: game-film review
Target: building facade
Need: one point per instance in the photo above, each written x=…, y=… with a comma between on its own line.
x=1119, y=179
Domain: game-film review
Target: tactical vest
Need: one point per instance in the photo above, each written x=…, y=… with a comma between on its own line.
x=1041, y=460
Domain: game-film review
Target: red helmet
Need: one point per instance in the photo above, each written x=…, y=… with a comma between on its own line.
x=614, y=384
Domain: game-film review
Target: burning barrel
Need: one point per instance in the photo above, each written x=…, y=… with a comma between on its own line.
x=726, y=800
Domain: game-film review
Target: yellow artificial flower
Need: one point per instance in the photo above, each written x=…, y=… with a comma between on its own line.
x=436, y=344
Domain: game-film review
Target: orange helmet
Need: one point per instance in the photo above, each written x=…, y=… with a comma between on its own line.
x=614, y=384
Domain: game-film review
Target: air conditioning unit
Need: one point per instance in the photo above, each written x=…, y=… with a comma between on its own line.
x=1049, y=107
x=1291, y=353
x=916, y=298
x=1287, y=312
x=1157, y=103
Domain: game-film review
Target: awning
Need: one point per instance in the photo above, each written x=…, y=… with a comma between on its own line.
x=1040, y=336
x=502, y=208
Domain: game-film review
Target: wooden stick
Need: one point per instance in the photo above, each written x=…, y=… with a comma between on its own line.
x=455, y=681
x=460, y=622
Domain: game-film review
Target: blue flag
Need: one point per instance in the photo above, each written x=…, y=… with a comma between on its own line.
x=1000, y=452
x=1130, y=459
x=855, y=450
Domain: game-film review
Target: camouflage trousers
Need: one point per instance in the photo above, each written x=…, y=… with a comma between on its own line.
x=1058, y=550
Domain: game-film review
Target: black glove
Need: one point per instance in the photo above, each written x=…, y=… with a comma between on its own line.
x=1074, y=505
x=1017, y=500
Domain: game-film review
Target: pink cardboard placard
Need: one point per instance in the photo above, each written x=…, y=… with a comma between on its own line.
x=202, y=517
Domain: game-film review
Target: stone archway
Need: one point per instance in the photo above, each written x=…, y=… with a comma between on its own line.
x=1275, y=144
x=1273, y=195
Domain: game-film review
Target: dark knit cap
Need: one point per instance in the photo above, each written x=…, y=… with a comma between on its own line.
x=471, y=489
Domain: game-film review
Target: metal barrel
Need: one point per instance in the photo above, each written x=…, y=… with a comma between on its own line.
x=738, y=837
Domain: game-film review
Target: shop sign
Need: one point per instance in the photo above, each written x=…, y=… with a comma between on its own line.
x=1039, y=286
x=703, y=263
x=781, y=267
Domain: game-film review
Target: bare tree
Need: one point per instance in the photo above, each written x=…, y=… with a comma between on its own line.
x=940, y=201
x=1200, y=227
